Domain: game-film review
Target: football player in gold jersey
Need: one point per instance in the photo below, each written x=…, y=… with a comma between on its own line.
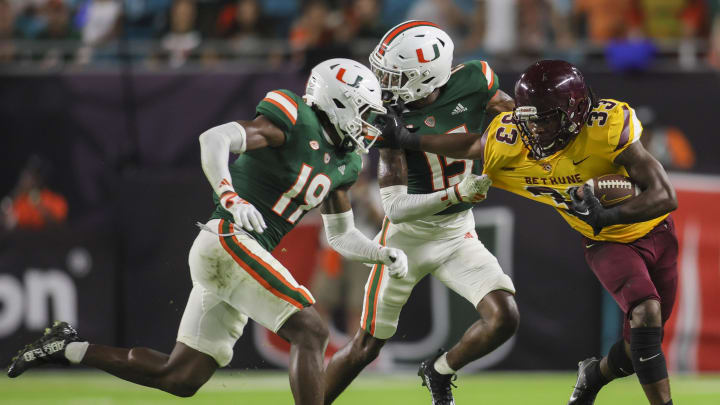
x=557, y=138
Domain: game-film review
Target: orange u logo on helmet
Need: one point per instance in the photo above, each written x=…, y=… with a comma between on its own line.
x=421, y=56
x=340, y=75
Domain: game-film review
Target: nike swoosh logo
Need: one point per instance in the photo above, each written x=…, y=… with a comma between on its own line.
x=580, y=161
x=590, y=245
x=642, y=360
x=507, y=169
x=605, y=201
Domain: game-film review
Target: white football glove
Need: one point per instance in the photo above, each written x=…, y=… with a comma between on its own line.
x=395, y=260
x=473, y=188
x=245, y=214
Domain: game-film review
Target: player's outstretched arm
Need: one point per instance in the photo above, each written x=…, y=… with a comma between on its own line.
x=500, y=102
x=657, y=196
x=215, y=146
x=401, y=207
x=350, y=242
x=457, y=146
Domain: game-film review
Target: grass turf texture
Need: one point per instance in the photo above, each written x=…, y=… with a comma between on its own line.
x=39, y=387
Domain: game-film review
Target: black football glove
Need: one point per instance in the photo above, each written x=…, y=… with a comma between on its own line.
x=590, y=210
x=394, y=132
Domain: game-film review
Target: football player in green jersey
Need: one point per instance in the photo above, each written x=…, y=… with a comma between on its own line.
x=296, y=154
x=427, y=217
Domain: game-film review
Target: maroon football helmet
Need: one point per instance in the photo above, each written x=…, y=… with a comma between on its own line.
x=552, y=104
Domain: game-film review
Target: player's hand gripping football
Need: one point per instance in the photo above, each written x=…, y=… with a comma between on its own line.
x=395, y=260
x=394, y=132
x=473, y=188
x=590, y=210
x=245, y=214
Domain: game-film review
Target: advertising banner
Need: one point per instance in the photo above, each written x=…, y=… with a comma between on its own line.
x=692, y=334
x=58, y=274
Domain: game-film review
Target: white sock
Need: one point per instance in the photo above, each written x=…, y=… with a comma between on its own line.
x=441, y=365
x=75, y=351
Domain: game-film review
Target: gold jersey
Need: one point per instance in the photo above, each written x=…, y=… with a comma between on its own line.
x=611, y=127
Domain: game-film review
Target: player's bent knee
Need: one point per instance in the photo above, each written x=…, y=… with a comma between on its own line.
x=506, y=319
x=306, y=328
x=318, y=330
x=647, y=355
x=646, y=314
x=510, y=323
x=319, y=335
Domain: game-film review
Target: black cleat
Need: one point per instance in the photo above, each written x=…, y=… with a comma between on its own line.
x=50, y=348
x=583, y=394
x=438, y=384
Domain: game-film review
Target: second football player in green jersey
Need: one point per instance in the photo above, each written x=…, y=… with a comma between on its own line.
x=427, y=200
x=459, y=106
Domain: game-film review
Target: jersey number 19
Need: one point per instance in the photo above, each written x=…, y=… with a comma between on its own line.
x=314, y=193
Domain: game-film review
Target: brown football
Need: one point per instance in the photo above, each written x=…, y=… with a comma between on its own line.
x=612, y=189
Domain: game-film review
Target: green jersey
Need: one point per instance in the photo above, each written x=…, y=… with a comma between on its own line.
x=460, y=107
x=284, y=183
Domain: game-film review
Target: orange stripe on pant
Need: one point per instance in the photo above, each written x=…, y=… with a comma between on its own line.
x=259, y=278
x=381, y=268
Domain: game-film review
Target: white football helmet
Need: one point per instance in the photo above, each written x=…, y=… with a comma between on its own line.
x=350, y=95
x=413, y=59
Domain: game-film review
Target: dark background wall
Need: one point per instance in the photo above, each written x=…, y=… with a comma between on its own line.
x=95, y=126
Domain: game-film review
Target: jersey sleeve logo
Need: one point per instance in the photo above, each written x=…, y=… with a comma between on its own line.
x=284, y=103
x=430, y=121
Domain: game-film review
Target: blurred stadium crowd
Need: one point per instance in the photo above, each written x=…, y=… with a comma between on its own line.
x=277, y=34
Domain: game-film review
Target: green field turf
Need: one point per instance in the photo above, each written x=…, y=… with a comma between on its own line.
x=90, y=388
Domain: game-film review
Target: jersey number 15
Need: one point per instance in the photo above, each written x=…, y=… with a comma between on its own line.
x=439, y=166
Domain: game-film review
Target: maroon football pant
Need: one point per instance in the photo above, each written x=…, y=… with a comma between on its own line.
x=638, y=271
